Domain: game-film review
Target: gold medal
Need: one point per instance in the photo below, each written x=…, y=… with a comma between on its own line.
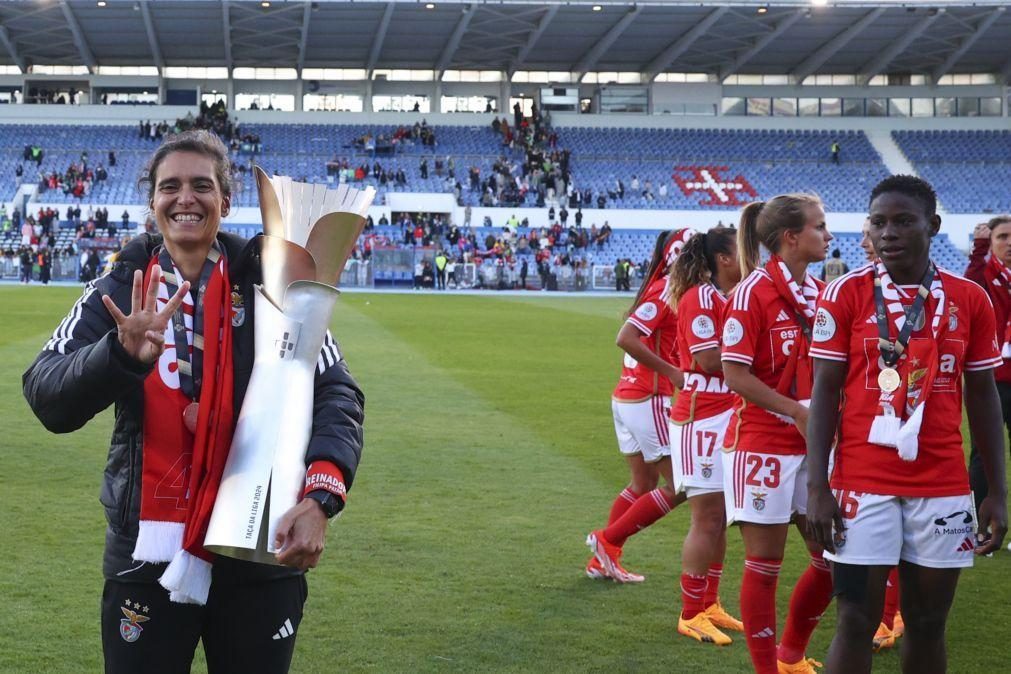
x=889, y=380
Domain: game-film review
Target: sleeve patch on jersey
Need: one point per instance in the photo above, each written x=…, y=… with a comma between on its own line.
x=630, y=362
x=703, y=327
x=824, y=325
x=733, y=332
x=646, y=311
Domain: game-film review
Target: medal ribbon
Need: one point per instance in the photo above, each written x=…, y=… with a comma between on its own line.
x=189, y=354
x=899, y=425
x=905, y=320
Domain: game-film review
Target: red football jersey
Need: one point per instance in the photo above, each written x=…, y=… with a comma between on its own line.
x=658, y=324
x=847, y=331
x=700, y=319
x=760, y=329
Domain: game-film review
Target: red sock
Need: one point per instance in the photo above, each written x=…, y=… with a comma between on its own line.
x=647, y=509
x=713, y=586
x=758, y=611
x=891, y=599
x=811, y=596
x=693, y=589
x=621, y=504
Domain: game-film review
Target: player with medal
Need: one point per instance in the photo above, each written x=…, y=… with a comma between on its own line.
x=898, y=342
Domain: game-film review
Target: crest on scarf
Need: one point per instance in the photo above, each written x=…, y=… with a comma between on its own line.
x=129, y=627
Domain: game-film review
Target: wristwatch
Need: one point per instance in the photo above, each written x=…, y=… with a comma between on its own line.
x=331, y=503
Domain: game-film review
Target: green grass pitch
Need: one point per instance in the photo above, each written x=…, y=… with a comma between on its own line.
x=490, y=454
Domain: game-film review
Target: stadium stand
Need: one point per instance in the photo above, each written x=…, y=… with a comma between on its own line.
x=752, y=164
x=970, y=170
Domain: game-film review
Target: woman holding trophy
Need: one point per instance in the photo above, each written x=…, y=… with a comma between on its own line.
x=172, y=337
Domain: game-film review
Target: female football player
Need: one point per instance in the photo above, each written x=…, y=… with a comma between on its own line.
x=766, y=334
x=640, y=405
x=892, y=340
x=701, y=279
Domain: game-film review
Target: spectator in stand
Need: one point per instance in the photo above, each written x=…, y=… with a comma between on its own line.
x=423, y=168
x=835, y=151
x=634, y=184
x=112, y=158
x=603, y=236
x=563, y=216
x=100, y=173
x=579, y=218
x=125, y=219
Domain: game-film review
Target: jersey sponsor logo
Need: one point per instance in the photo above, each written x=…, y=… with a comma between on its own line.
x=129, y=627
x=784, y=339
x=824, y=325
x=703, y=327
x=733, y=332
x=647, y=311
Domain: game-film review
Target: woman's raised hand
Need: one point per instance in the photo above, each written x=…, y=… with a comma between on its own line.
x=142, y=332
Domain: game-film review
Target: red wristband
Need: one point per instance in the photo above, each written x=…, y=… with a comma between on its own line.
x=325, y=475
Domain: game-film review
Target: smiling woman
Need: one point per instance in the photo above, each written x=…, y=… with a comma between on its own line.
x=169, y=339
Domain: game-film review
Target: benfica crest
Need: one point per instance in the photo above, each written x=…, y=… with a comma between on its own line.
x=708, y=181
x=129, y=627
x=758, y=500
x=707, y=470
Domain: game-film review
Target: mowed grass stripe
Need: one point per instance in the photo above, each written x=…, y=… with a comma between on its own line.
x=493, y=531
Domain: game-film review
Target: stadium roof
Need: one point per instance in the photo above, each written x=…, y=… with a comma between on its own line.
x=797, y=37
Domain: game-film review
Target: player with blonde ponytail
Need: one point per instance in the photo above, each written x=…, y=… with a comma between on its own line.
x=766, y=337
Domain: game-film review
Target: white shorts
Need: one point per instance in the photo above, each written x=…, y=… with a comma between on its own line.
x=933, y=531
x=696, y=448
x=642, y=427
x=764, y=488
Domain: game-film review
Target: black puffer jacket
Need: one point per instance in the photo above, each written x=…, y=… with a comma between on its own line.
x=83, y=369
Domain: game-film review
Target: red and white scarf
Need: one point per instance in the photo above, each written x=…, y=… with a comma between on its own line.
x=899, y=425
x=798, y=376
x=997, y=274
x=181, y=470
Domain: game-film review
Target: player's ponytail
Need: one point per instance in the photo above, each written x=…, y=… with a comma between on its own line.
x=697, y=262
x=763, y=222
x=748, y=249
